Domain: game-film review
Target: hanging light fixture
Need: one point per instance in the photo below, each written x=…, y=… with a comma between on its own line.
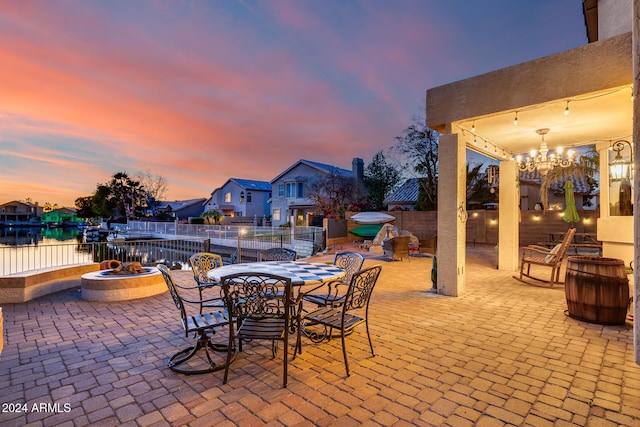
x=543, y=162
x=620, y=168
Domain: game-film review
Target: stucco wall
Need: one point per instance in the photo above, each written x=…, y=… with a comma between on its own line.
x=614, y=18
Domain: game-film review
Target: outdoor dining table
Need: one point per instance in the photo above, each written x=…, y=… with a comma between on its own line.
x=301, y=273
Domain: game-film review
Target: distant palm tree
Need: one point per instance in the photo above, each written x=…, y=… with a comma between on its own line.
x=478, y=187
x=216, y=215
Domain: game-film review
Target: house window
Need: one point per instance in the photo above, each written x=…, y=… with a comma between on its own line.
x=290, y=189
x=280, y=190
x=294, y=189
x=227, y=197
x=242, y=197
x=248, y=196
x=276, y=215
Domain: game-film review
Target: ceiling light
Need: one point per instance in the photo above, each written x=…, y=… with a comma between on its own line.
x=542, y=162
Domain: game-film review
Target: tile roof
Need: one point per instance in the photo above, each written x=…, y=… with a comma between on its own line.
x=316, y=165
x=180, y=204
x=251, y=184
x=328, y=168
x=406, y=193
x=579, y=180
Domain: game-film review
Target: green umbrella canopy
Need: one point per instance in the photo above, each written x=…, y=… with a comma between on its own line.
x=570, y=213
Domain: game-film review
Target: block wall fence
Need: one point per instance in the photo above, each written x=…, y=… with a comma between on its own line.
x=482, y=225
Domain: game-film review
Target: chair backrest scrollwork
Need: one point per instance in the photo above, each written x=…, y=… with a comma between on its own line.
x=350, y=262
x=203, y=262
x=277, y=254
x=257, y=295
x=361, y=288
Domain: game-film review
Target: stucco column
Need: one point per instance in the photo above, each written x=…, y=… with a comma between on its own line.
x=636, y=178
x=452, y=215
x=508, y=216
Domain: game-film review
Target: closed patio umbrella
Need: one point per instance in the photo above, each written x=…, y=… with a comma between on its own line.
x=570, y=213
x=372, y=218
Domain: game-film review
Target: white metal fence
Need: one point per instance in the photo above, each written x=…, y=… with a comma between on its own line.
x=20, y=259
x=155, y=242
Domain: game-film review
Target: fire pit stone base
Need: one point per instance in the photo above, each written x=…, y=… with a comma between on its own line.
x=102, y=286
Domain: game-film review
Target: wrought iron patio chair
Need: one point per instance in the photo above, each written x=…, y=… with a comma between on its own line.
x=260, y=308
x=201, y=264
x=352, y=313
x=198, y=324
x=277, y=254
x=333, y=292
x=545, y=257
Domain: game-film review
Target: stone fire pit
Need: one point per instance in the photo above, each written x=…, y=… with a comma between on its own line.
x=128, y=281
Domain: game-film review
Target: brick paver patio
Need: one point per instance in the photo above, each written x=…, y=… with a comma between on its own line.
x=502, y=354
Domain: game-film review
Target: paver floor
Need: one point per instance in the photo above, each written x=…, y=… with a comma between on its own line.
x=504, y=353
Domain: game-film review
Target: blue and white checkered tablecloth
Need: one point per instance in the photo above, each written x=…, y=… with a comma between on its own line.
x=300, y=273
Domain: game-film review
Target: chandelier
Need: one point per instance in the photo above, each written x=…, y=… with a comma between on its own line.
x=542, y=161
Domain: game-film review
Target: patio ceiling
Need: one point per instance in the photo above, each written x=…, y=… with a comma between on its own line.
x=592, y=118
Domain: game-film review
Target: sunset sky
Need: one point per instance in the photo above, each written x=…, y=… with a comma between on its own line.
x=202, y=91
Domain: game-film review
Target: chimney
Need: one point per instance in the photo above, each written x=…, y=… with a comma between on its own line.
x=357, y=168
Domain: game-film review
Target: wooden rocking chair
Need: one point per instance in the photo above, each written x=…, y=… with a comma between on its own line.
x=545, y=257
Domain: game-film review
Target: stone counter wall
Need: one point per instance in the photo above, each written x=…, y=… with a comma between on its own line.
x=26, y=286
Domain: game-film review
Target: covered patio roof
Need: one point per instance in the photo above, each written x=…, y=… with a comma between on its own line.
x=594, y=81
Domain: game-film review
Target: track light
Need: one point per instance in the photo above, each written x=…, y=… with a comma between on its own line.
x=566, y=110
x=473, y=126
x=515, y=120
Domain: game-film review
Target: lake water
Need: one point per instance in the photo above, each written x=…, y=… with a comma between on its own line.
x=23, y=236
x=32, y=248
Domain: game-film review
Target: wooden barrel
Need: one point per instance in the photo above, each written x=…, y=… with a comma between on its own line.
x=597, y=289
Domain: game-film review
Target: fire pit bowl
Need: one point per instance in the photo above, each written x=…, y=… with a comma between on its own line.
x=124, y=283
